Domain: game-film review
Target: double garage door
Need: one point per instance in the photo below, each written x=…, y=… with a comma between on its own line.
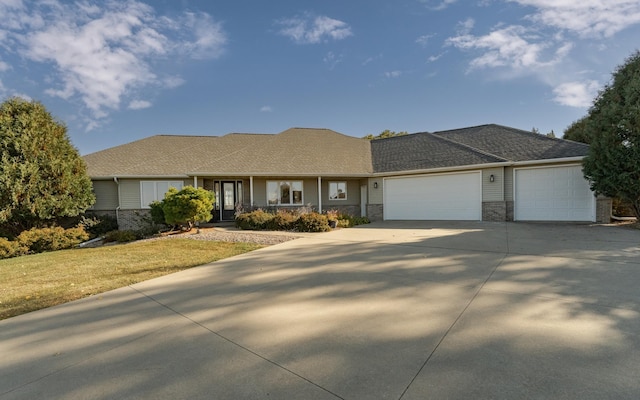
x=540, y=194
x=434, y=197
x=553, y=194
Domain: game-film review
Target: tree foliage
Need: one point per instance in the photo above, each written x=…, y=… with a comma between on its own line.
x=187, y=206
x=613, y=126
x=42, y=176
x=384, y=134
x=577, y=131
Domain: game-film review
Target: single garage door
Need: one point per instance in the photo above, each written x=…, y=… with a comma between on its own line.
x=434, y=197
x=553, y=194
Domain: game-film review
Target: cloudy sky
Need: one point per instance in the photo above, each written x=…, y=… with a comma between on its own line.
x=118, y=71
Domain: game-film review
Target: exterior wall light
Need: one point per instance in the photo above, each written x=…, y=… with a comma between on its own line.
x=492, y=178
x=375, y=185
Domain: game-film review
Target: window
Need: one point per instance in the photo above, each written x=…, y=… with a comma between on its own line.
x=337, y=190
x=155, y=190
x=284, y=193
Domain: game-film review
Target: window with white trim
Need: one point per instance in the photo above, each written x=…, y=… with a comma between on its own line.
x=337, y=190
x=284, y=193
x=151, y=191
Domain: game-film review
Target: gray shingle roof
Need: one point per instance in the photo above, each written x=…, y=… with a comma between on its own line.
x=295, y=152
x=423, y=151
x=515, y=144
x=307, y=152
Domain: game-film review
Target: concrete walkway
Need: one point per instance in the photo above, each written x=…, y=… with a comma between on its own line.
x=428, y=310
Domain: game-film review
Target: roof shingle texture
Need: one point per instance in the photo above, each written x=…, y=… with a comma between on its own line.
x=296, y=151
x=308, y=152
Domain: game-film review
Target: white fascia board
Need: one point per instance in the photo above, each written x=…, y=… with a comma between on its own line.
x=565, y=160
x=110, y=177
x=269, y=174
x=444, y=169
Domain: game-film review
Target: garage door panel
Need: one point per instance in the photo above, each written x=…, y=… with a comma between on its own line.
x=553, y=194
x=435, y=197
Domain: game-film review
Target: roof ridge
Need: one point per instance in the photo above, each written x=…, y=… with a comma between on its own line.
x=486, y=153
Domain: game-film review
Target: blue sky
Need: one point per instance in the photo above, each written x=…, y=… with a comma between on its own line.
x=118, y=71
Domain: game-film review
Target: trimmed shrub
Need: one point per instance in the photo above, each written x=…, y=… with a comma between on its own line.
x=284, y=220
x=9, y=248
x=38, y=240
x=157, y=213
x=254, y=220
x=313, y=222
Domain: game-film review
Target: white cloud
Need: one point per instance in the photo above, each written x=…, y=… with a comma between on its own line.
x=436, y=57
x=424, y=39
x=441, y=5
x=139, y=104
x=393, y=74
x=4, y=66
x=514, y=47
x=310, y=30
x=576, y=94
x=103, y=55
x=266, y=109
x=465, y=27
x=587, y=18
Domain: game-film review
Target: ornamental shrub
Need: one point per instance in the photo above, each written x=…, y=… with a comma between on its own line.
x=9, y=248
x=313, y=222
x=187, y=206
x=284, y=220
x=38, y=240
x=254, y=220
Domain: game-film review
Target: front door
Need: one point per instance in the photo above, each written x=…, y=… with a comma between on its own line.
x=228, y=200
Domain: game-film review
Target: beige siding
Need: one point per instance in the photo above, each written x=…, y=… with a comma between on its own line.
x=106, y=195
x=130, y=194
x=375, y=194
x=508, y=183
x=493, y=191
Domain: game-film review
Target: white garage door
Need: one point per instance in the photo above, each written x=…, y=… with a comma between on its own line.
x=434, y=197
x=553, y=194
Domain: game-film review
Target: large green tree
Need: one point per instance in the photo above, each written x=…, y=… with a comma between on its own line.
x=577, y=131
x=613, y=127
x=42, y=176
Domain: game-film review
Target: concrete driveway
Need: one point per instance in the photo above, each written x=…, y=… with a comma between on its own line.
x=414, y=310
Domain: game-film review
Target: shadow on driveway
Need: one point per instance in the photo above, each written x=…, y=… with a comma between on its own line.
x=401, y=310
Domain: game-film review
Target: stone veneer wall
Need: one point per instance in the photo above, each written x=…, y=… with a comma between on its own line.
x=132, y=219
x=603, y=210
x=375, y=212
x=494, y=211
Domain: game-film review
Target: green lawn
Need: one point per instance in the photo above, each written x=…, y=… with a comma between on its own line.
x=43, y=280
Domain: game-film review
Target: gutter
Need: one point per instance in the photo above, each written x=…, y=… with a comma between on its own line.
x=115, y=179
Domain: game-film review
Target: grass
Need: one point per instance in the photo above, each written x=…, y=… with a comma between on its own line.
x=43, y=280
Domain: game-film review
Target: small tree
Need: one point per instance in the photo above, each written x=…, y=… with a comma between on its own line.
x=613, y=126
x=42, y=176
x=187, y=206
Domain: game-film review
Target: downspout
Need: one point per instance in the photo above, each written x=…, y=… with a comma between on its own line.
x=320, y=194
x=251, y=191
x=115, y=179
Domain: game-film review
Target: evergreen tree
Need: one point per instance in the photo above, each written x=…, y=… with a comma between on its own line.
x=42, y=176
x=613, y=126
